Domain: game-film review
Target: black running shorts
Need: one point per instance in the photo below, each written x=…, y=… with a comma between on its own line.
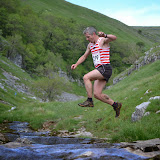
x=105, y=70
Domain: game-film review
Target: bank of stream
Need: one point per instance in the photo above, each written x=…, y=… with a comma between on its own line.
x=24, y=143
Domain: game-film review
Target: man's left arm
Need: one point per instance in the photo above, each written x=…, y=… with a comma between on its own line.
x=108, y=37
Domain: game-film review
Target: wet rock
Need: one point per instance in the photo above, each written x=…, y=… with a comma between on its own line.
x=2, y=138
x=85, y=154
x=15, y=145
x=148, y=148
x=23, y=141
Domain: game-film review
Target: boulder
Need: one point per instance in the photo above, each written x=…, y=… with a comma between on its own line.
x=139, y=112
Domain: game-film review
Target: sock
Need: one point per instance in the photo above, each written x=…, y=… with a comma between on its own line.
x=90, y=99
x=115, y=105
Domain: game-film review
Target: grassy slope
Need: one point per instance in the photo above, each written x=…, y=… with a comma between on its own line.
x=88, y=18
x=100, y=119
x=152, y=33
x=8, y=98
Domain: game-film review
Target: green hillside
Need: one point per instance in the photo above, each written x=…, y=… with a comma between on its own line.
x=48, y=36
x=87, y=17
x=124, y=51
x=100, y=120
x=14, y=86
x=152, y=33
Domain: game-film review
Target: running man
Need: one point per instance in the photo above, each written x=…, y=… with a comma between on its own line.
x=99, y=48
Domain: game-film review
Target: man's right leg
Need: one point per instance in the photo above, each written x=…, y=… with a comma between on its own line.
x=88, y=78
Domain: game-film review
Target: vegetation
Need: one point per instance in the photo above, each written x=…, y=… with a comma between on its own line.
x=100, y=120
x=50, y=34
x=152, y=33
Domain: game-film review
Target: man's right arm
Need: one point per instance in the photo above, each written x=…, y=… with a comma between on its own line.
x=82, y=58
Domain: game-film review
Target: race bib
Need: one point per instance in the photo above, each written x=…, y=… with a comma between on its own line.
x=96, y=58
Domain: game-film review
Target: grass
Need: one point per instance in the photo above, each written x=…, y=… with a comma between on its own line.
x=100, y=120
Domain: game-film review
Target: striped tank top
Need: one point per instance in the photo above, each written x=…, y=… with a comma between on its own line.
x=100, y=55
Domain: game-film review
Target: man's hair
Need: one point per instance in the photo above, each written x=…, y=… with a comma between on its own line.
x=90, y=30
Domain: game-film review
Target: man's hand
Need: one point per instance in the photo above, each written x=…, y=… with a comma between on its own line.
x=73, y=66
x=101, y=34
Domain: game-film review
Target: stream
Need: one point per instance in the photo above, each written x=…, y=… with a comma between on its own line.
x=26, y=144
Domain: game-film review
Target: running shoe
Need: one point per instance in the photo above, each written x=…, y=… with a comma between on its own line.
x=117, y=109
x=86, y=104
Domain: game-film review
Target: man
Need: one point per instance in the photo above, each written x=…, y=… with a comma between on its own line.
x=100, y=49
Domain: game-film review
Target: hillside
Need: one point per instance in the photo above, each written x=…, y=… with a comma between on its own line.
x=124, y=51
x=87, y=17
x=46, y=37
x=152, y=33
x=15, y=86
x=135, y=89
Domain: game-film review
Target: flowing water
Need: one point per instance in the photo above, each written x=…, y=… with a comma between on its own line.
x=42, y=146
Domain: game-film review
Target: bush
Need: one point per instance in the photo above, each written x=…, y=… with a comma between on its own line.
x=47, y=89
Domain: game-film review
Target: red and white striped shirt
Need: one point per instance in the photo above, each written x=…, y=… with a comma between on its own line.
x=100, y=55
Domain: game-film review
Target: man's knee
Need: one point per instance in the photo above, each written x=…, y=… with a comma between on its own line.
x=97, y=95
x=106, y=96
x=101, y=96
x=85, y=77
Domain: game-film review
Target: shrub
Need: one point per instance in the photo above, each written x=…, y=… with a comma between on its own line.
x=47, y=88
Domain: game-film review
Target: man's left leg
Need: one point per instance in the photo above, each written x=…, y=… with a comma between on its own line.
x=98, y=88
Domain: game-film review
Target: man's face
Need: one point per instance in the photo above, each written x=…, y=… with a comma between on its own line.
x=89, y=37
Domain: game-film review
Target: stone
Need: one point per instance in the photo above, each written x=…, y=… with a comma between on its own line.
x=147, y=148
x=139, y=112
x=85, y=155
x=23, y=141
x=140, y=109
x=2, y=138
x=153, y=98
x=15, y=145
x=13, y=108
x=148, y=91
x=82, y=132
x=147, y=113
